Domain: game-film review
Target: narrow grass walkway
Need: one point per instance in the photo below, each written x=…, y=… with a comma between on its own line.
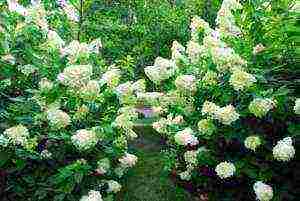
x=146, y=181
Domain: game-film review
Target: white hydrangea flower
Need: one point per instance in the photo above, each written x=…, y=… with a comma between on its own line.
x=9, y=58
x=206, y=127
x=194, y=51
x=111, y=77
x=76, y=75
x=92, y=196
x=191, y=157
x=210, y=78
x=261, y=106
x=94, y=46
x=37, y=14
x=209, y=108
x=45, y=84
x=84, y=139
x=91, y=90
x=186, y=83
x=186, y=137
x=225, y=170
x=186, y=175
x=241, y=80
x=103, y=166
x=54, y=40
x=113, y=186
x=263, y=191
x=227, y=114
x=17, y=135
x=70, y=10
x=297, y=106
x=139, y=86
x=160, y=126
x=128, y=160
x=252, y=142
x=284, y=150
x=58, y=118
x=177, y=50
x=27, y=69
x=14, y=6
x=197, y=24
x=161, y=70
x=46, y=154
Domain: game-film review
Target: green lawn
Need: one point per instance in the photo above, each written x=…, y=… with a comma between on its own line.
x=146, y=182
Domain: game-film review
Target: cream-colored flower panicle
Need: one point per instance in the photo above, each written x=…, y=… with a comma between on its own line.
x=225, y=170
x=177, y=51
x=76, y=76
x=297, y=106
x=186, y=137
x=263, y=191
x=128, y=160
x=113, y=186
x=17, y=135
x=241, y=80
x=161, y=70
x=84, y=139
x=261, y=106
x=111, y=77
x=209, y=108
x=252, y=142
x=45, y=84
x=195, y=51
x=58, y=118
x=54, y=40
x=284, y=150
x=227, y=115
x=92, y=196
x=186, y=83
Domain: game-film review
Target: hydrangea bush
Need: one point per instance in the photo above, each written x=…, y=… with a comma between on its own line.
x=217, y=113
x=66, y=117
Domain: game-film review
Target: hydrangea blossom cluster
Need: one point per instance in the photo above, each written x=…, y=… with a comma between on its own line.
x=92, y=196
x=284, y=150
x=252, y=142
x=261, y=106
x=186, y=137
x=263, y=191
x=225, y=170
x=58, y=118
x=17, y=135
x=84, y=139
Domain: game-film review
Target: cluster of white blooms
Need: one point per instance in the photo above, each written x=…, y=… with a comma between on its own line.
x=190, y=157
x=111, y=77
x=261, y=106
x=75, y=49
x=186, y=83
x=113, y=186
x=284, y=150
x=92, y=196
x=14, y=6
x=225, y=170
x=177, y=50
x=186, y=137
x=128, y=91
x=210, y=78
x=17, y=135
x=241, y=80
x=195, y=51
x=27, y=69
x=84, y=139
x=46, y=154
x=225, y=115
x=75, y=75
x=9, y=58
x=54, y=40
x=161, y=125
x=209, y=108
x=225, y=19
x=90, y=90
x=128, y=160
x=185, y=175
x=297, y=106
x=196, y=25
x=45, y=84
x=71, y=12
x=103, y=166
x=206, y=127
x=161, y=70
x=252, y=142
x=125, y=121
x=263, y=191
x=58, y=118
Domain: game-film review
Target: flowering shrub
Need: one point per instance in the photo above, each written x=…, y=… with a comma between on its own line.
x=66, y=118
x=225, y=108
